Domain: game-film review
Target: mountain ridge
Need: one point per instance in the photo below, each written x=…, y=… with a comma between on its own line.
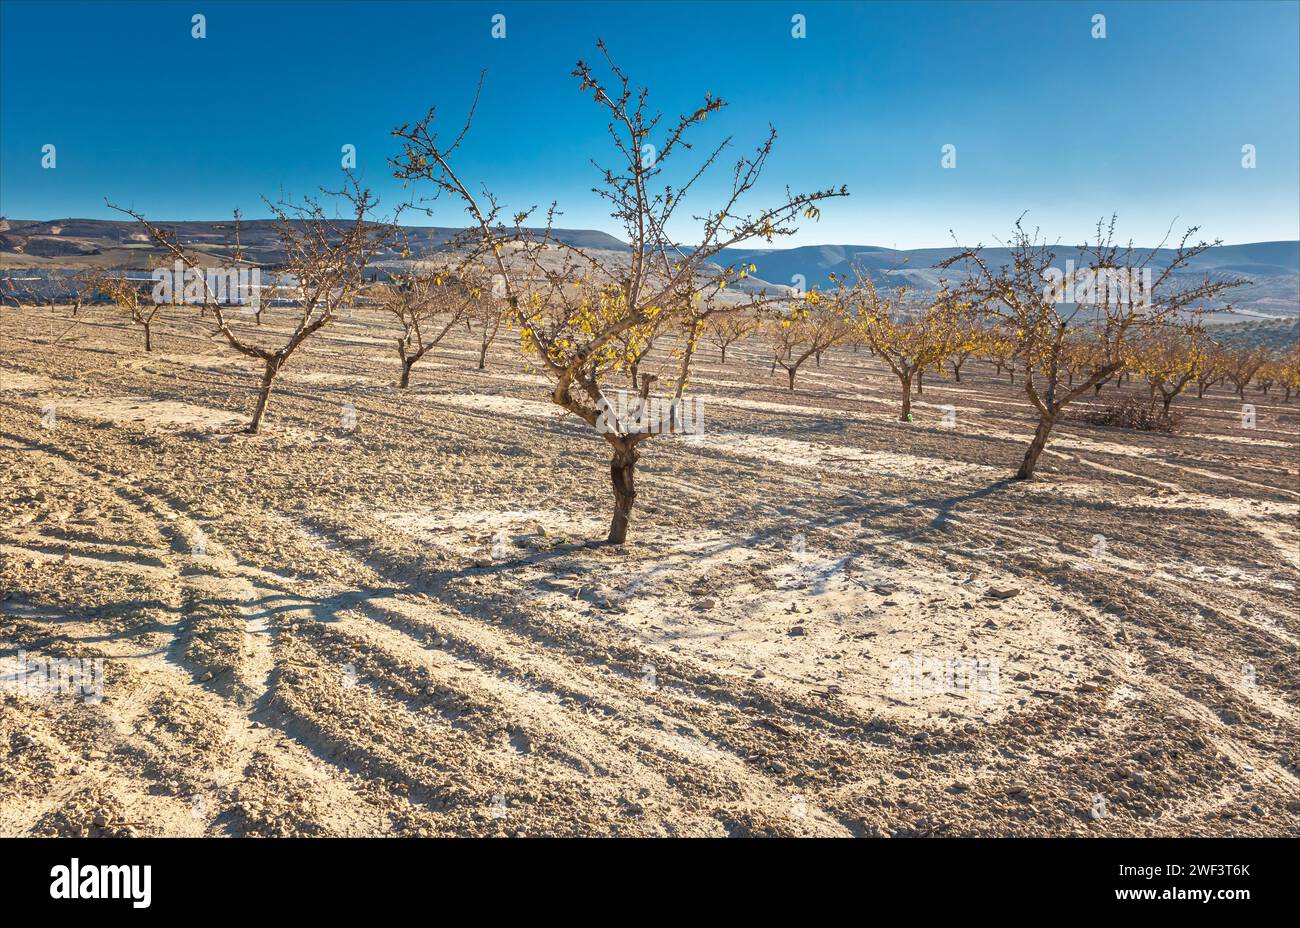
x=1271, y=267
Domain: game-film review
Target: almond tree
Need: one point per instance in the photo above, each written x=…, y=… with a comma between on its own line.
x=324, y=256
x=1028, y=296
x=1080, y=355
x=488, y=313
x=806, y=330
x=134, y=297
x=12, y=294
x=1267, y=373
x=1213, y=367
x=1289, y=371
x=725, y=329
x=1169, y=357
x=570, y=305
x=430, y=296
x=704, y=306
x=427, y=305
x=16, y=242
x=633, y=344
x=414, y=304
x=999, y=349
x=78, y=285
x=910, y=335
x=1241, y=366
x=969, y=340
x=237, y=255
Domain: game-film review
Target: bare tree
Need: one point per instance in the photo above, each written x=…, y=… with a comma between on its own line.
x=427, y=303
x=570, y=305
x=1029, y=296
x=132, y=296
x=238, y=257
x=413, y=301
x=77, y=286
x=17, y=242
x=325, y=257
x=488, y=313
x=12, y=293
x=728, y=328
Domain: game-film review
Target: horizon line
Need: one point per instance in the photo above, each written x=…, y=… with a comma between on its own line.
x=1280, y=241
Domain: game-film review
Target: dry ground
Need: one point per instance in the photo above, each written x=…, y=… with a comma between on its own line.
x=403, y=629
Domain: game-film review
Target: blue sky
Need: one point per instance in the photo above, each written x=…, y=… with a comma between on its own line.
x=1148, y=122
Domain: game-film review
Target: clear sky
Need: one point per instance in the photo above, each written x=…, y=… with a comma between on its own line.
x=1148, y=122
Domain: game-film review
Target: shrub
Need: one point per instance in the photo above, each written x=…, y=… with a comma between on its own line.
x=1131, y=413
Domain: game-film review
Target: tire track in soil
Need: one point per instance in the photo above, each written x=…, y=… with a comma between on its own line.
x=587, y=723
x=242, y=703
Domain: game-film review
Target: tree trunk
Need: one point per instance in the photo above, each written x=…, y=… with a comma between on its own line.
x=920, y=378
x=148, y=338
x=622, y=471
x=791, y=372
x=906, y=414
x=724, y=354
x=956, y=372
x=482, y=352
x=407, y=364
x=1035, y=449
x=1167, y=400
x=263, y=396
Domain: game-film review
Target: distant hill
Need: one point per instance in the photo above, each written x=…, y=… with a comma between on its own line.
x=1274, y=334
x=124, y=244
x=1273, y=268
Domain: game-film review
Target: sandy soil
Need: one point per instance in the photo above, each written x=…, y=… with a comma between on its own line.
x=827, y=622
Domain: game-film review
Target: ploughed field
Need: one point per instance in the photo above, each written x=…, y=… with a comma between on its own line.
x=389, y=613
